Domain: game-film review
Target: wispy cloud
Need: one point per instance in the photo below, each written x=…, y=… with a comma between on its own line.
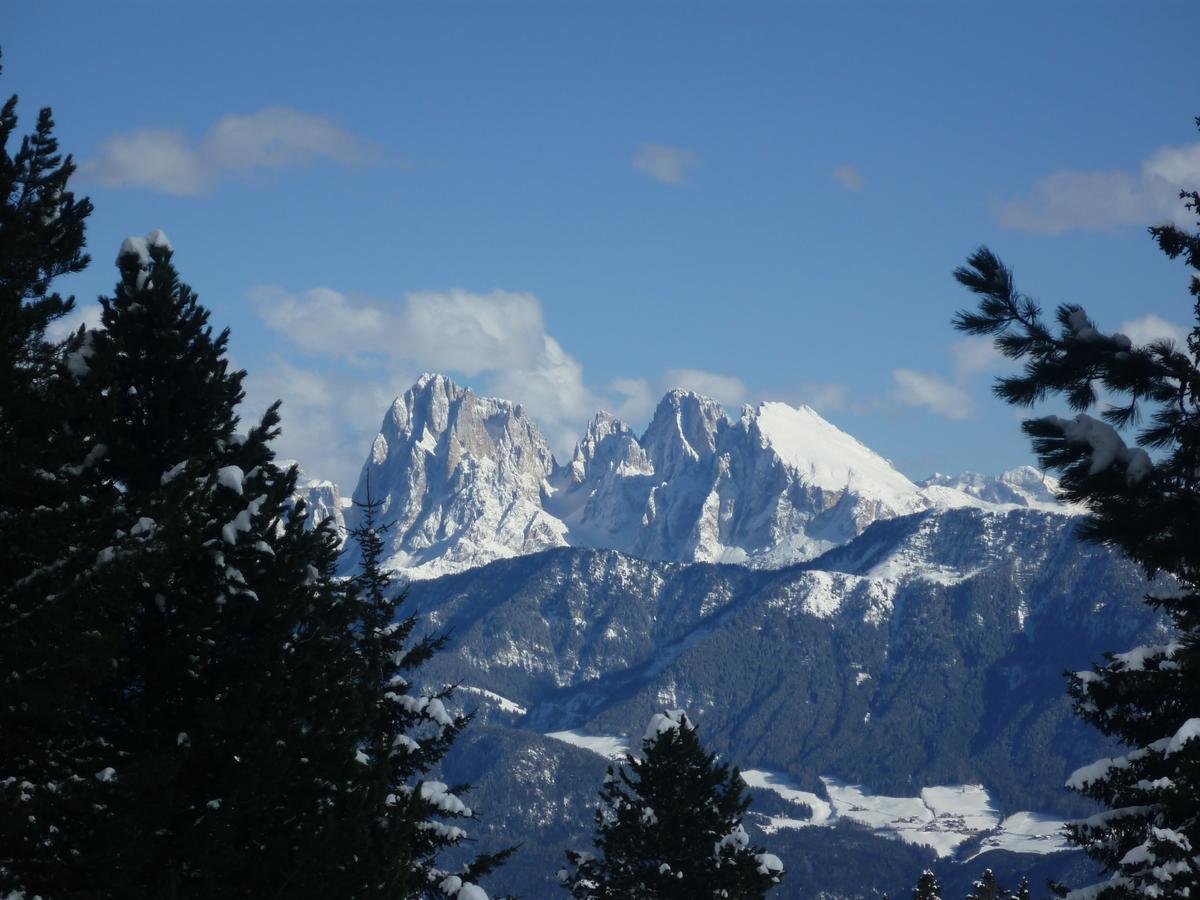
x=1070, y=200
x=935, y=394
x=823, y=396
x=849, y=177
x=973, y=355
x=236, y=146
x=1150, y=327
x=669, y=165
x=726, y=389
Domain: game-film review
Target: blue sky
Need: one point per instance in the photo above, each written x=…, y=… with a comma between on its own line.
x=581, y=205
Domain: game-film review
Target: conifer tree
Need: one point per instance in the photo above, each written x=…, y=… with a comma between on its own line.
x=41, y=239
x=987, y=888
x=1148, y=698
x=408, y=821
x=928, y=887
x=204, y=744
x=669, y=825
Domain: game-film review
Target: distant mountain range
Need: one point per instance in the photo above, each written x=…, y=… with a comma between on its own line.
x=468, y=480
x=885, y=657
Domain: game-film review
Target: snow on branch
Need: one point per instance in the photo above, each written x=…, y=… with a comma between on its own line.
x=670, y=720
x=1083, y=330
x=1108, y=448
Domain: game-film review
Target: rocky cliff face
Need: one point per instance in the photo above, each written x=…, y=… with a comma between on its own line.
x=462, y=477
x=470, y=479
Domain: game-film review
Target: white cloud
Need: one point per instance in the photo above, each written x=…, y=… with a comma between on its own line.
x=633, y=399
x=273, y=138
x=498, y=337
x=473, y=333
x=329, y=417
x=822, y=396
x=935, y=394
x=725, y=389
x=1071, y=200
x=86, y=314
x=1154, y=328
x=973, y=355
x=849, y=177
x=670, y=165
x=459, y=330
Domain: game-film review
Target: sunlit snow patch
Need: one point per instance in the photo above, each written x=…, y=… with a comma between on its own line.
x=505, y=705
x=941, y=818
x=605, y=745
x=779, y=784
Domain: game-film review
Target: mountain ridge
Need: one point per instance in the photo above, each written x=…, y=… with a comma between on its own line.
x=468, y=479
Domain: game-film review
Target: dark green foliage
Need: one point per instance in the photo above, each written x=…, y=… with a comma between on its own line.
x=987, y=888
x=927, y=888
x=1148, y=698
x=669, y=825
x=41, y=238
x=407, y=822
x=180, y=714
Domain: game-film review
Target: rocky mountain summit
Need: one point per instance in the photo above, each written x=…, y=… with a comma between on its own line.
x=469, y=479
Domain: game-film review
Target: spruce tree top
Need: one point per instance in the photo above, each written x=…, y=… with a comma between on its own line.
x=669, y=825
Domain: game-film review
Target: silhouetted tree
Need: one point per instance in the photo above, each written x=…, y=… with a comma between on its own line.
x=669, y=825
x=1147, y=507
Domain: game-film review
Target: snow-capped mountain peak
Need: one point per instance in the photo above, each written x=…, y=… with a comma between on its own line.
x=828, y=458
x=468, y=479
x=1022, y=487
x=684, y=429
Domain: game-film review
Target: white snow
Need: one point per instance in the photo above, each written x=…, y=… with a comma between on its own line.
x=1084, y=331
x=1188, y=731
x=830, y=459
x=941, y=817
x=1108, y=447
x=77, y=360
x=768, y=863
x=174, y=472
x=139, y=247
x=231, y=477
x=608, y=746
x=1021, y=488
x=822, y=811
x=504, y=703
x=471, y=479
x=439, y=795
x=670, y=720
x=136, y=247
x=1135, y=660
x=1027, y=832
x=158, y=238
